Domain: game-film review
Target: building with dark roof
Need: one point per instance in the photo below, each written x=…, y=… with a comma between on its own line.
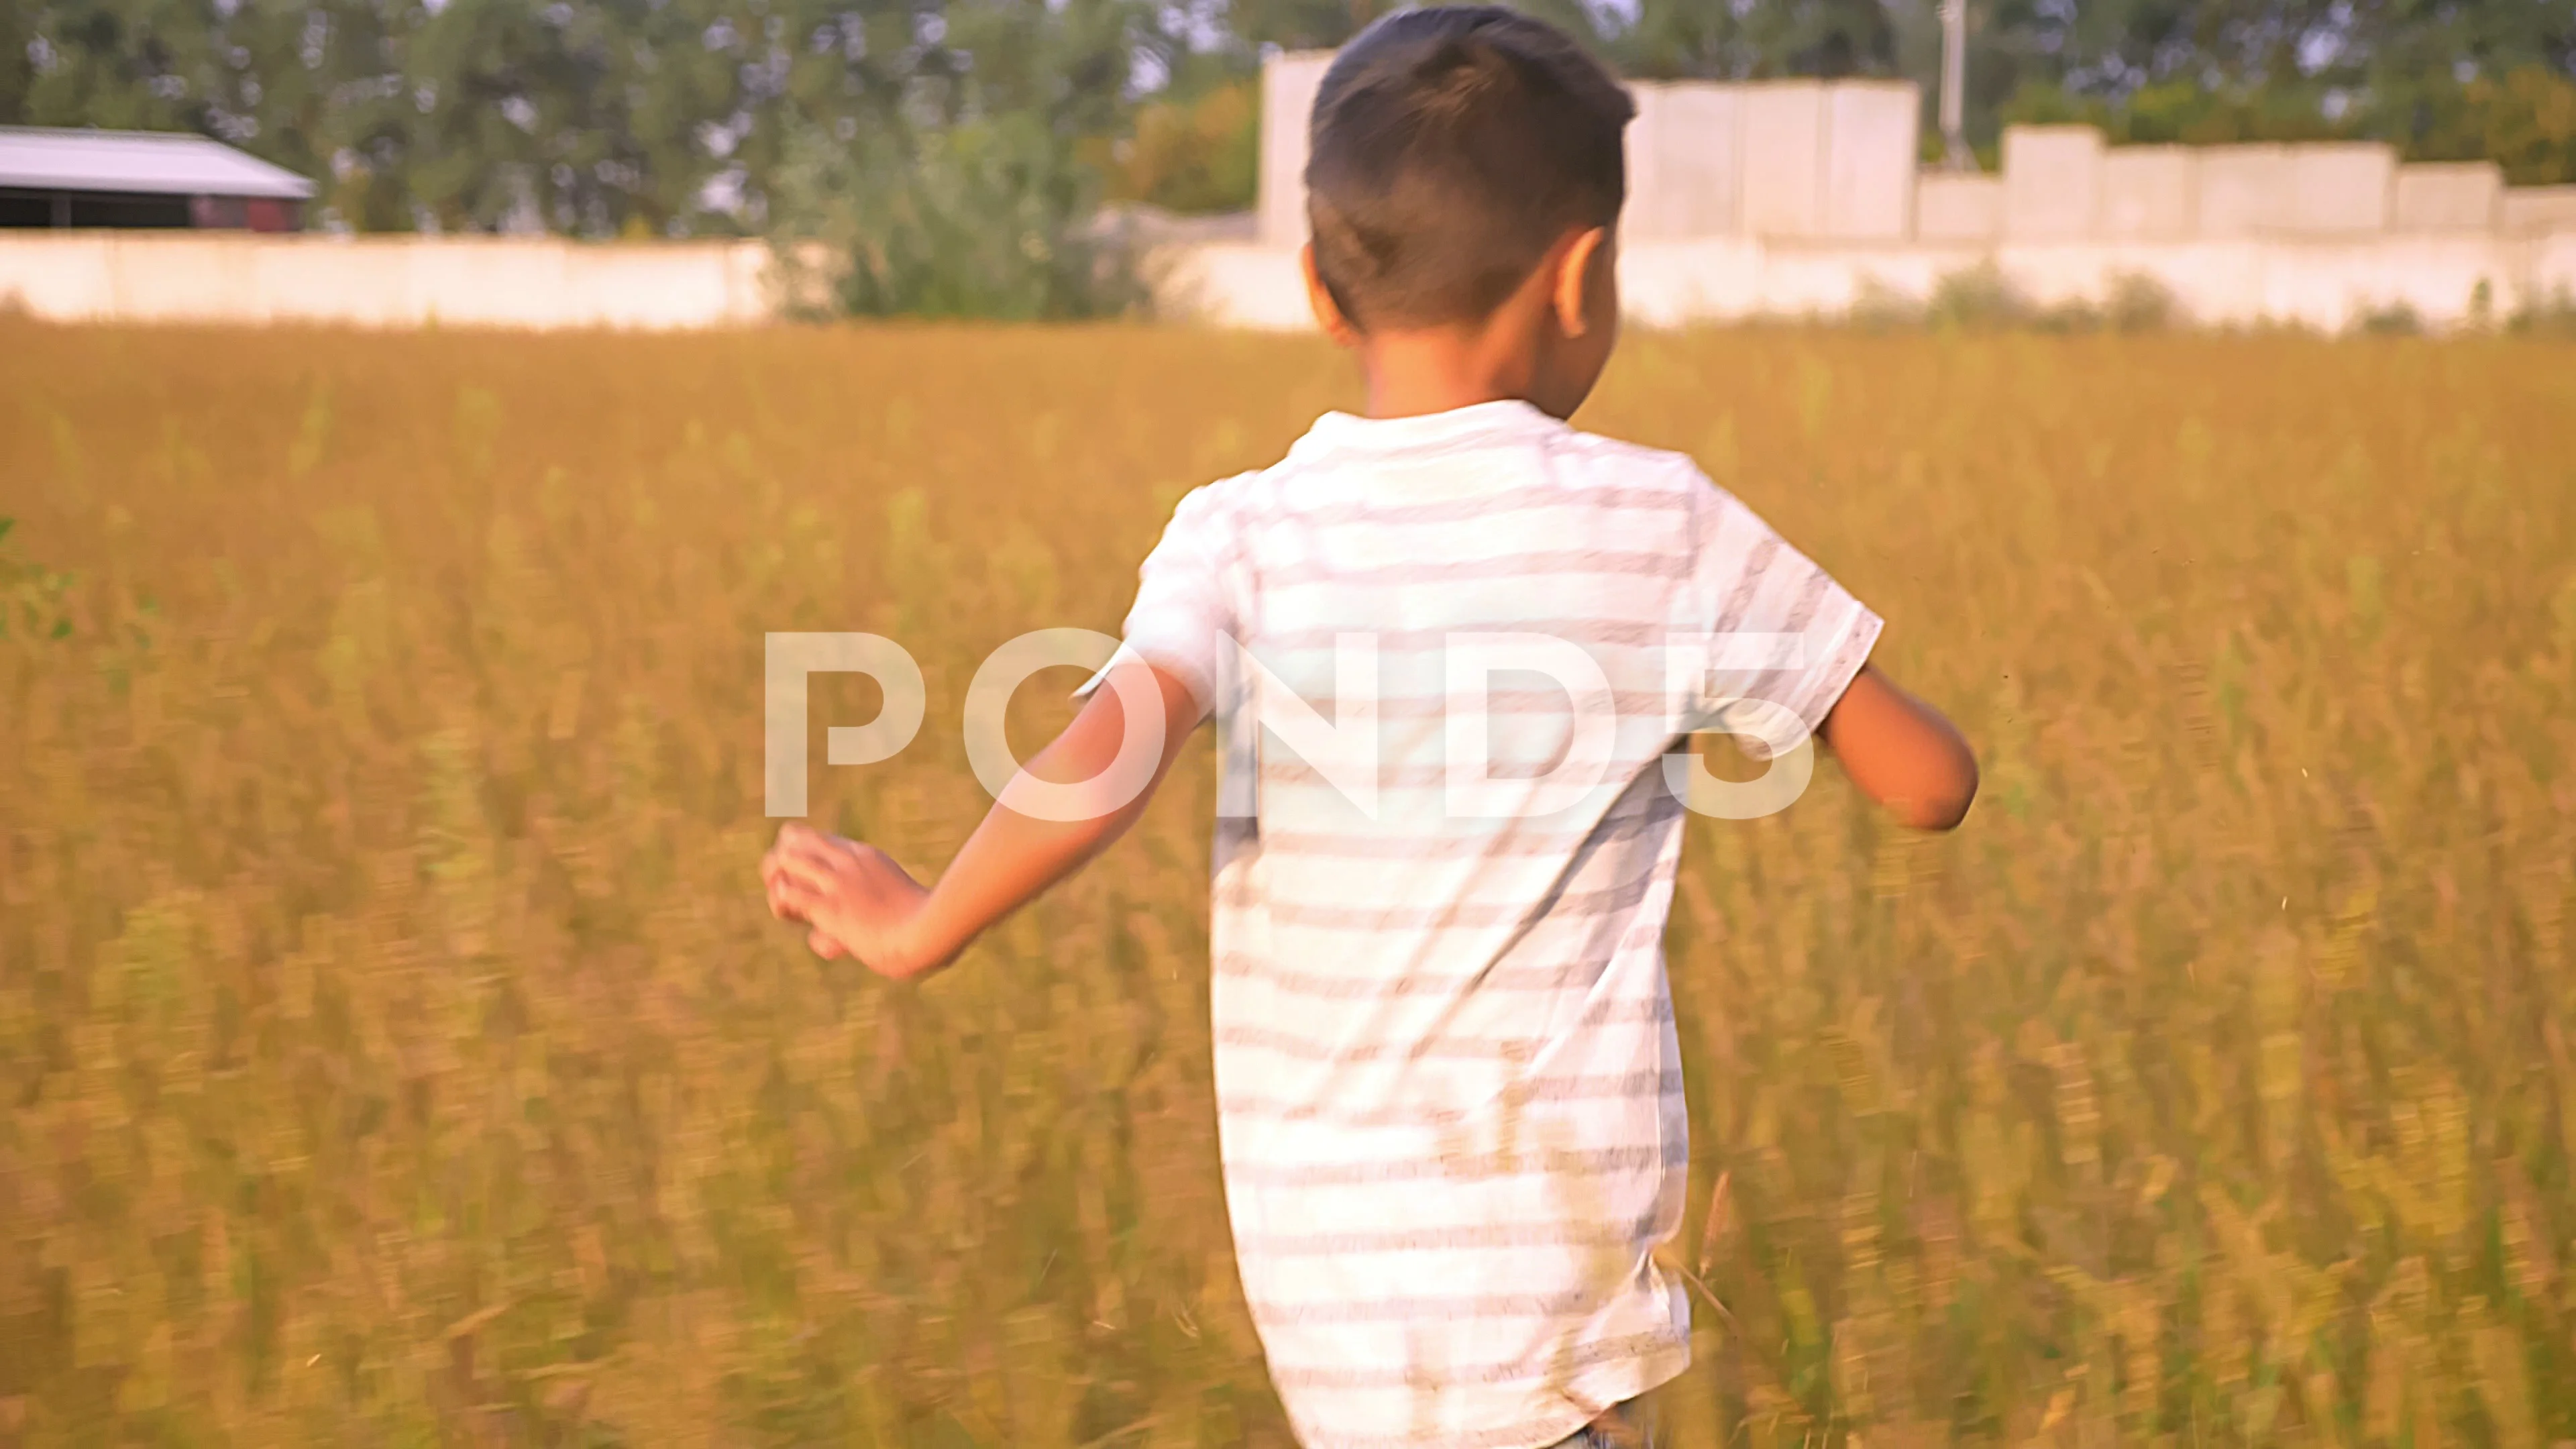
x=84, y=178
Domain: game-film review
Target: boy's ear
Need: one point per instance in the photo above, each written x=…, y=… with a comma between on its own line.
x=1328, y=313
x=1574, y=280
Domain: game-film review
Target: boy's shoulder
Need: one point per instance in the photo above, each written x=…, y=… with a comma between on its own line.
x=1596, y=454
x=1638, y=463
x=1220, y=500
x=1307, y=481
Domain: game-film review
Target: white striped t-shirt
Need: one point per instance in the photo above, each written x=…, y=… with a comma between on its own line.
x=1448, y=1083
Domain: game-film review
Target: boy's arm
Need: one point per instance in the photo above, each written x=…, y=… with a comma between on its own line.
x=858, y=901
x=1901, y=752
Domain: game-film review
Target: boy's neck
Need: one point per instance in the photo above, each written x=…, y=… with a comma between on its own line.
x=1414, y=373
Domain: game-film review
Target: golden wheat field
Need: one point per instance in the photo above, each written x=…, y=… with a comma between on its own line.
x=397, y=1050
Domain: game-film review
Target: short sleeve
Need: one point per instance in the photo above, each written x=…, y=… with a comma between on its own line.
x=1784, y=639
x=1183, y=615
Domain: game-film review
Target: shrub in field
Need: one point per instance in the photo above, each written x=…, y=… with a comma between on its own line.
x=1882, y=308
x=396, y=1050
x=2552, y=316
x=1195, y=156
x=2140, y=303
x=987, y=218
x=1982, y=298
x=2396, y=319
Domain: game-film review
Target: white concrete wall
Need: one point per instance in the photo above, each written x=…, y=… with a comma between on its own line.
x=407, y=281
x=1958, y=207
x=1233, y=284
x=2322, y=189
x=1288, y=85
x=2316, y=282
x=1685, y=160
x=2327, y=285
x=399, y=282
x=2448, y=196
x=2323, y=284
x=2343, y=188
x=1784, y=159
x=2243, y=190
x=2052, y=182
x=2552, y=276
x=2269, y=273
x=1872, y=151
x=1791, y=159
x=2527, y=210
x=2149, y=193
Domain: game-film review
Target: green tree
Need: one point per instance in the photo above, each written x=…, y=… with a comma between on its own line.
x=972, y=198
x=1718, y=41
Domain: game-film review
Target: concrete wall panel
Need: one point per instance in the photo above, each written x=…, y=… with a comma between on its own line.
x=2552, y=280
x=2316, y=282
x=1784, y=159
x=1957, y=207
x=2341, y=188
x=194, y=279
x=371, y=282
x=1678, y=283
x=1871, y=154
x=1231, y=284
x=1685, y=161
x=1288, y=84
x=480, y=286
x=2052, y=182
x=536, y=283
x=57, y=278
x=2244, y=191
x=2448, y=196
x=2149, y=193
x=2538, y=209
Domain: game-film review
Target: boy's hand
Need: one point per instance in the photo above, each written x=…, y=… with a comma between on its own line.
x=857, y=901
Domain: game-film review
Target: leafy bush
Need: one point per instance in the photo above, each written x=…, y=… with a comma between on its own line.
x=1882, y=308
x=2550, y=316
x=1983, y=299
x=2523, y=119
x=2140, y=303
x=1977, y=299
x=1190, y=157
x=984, y=218
x=2396, y=319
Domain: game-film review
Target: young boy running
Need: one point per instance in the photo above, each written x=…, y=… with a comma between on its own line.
x=1448, y=1081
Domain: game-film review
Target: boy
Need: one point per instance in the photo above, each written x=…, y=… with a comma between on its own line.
x=1447, y=1075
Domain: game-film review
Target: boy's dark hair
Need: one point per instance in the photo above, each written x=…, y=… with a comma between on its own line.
x=1451, y=147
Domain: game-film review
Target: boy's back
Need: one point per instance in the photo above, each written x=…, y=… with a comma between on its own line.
x=1449, y=1086
x=1448, y=1081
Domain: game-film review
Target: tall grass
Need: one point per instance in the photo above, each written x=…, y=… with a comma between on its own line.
x=396, y=1050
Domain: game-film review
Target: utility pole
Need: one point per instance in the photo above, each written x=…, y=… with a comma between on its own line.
x=1954, y=86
